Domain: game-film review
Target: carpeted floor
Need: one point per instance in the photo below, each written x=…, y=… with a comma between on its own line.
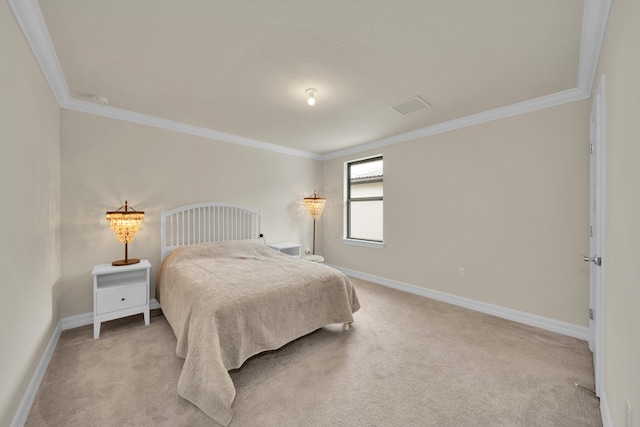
x=407, y=361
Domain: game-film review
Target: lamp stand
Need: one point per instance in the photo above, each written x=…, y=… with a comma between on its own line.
x=315, y=206
x=126, y=260
x=314, y=238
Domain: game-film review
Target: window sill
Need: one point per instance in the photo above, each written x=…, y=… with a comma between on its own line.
x=363, y=243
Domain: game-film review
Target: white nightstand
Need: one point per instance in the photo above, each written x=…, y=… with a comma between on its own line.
x=119, y=292
x=292, y=249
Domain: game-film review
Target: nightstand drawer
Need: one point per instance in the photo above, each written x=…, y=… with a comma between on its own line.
x=120, y=299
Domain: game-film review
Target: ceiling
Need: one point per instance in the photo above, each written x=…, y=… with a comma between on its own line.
x=238, y=71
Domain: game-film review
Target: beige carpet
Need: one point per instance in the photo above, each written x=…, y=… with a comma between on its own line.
x=407, y=361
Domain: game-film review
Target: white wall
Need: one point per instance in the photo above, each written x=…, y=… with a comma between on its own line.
x=620, y=63
x=105, y=162
x=507, y=200
x=29, y=214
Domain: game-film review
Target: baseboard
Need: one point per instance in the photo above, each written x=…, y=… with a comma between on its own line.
x=605, y=414
x=63, y=324
x=87, y=318
x=23, y=410
x=564, y=328
x=76, y=321
x=506, y=313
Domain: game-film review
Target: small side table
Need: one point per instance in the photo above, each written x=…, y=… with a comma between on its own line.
x=292, y=249
x=119, y=292
x=314, y=258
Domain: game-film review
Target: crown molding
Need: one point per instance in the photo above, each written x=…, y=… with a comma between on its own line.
x=474, y=119
x=595, y=18
x=144, y=119
x=31, y=22
x=594, y=27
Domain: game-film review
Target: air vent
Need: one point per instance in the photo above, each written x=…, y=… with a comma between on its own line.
x=410, y=105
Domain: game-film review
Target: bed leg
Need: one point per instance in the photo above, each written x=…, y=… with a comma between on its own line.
x=346, y=326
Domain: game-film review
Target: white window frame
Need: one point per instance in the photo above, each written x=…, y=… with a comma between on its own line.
x=348, y=240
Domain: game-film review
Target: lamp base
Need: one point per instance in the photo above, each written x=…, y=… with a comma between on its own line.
x=122, y=262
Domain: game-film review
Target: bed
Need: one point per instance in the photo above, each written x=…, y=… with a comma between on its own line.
x=228, y=296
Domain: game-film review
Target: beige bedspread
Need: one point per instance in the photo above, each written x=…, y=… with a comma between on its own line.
x=228, y=301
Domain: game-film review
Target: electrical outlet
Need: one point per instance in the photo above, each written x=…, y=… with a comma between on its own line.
x=628, y=418
x=462, y=272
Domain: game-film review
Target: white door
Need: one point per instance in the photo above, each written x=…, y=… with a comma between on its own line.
x=597, y=235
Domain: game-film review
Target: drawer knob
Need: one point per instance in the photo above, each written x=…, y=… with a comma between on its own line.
x=122, y=299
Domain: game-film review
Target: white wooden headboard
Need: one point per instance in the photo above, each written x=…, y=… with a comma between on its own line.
x=207, y=222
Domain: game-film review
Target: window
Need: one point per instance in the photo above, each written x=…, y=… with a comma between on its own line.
x=364, y=204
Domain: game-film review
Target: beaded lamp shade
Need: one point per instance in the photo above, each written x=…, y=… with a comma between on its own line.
x=125, y=223
x=315, y=207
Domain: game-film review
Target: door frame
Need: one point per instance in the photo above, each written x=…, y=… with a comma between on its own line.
x=597, y=208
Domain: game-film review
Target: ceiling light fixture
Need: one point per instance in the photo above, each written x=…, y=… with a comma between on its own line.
x=311, y=93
